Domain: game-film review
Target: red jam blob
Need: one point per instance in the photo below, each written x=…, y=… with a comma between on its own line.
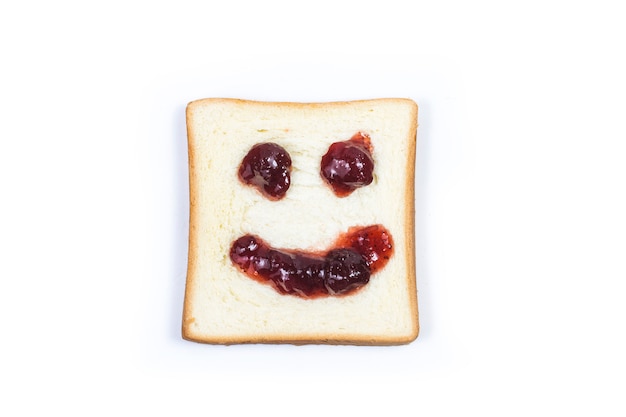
x=374, y=243
x=348, y=165
x=341, y=270
x=267, y=167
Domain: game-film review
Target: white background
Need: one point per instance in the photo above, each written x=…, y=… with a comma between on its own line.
x=521, y=201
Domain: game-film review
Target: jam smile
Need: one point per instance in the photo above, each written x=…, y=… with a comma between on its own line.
x=340, y=270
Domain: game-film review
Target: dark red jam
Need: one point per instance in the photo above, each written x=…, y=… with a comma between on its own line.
x=267, y=167
x=348, y=165
x=341, y=270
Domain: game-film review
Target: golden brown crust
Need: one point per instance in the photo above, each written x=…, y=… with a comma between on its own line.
x=277, y=339
x=192, y=256
x=330, y=104
x=410, y=230
x=188, y=332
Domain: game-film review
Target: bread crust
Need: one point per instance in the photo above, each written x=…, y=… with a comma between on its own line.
x=195, y=273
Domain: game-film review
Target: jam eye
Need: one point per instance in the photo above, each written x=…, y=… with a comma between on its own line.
x=348, y=165
x=267, y=167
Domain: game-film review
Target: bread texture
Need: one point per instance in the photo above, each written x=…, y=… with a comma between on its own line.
x=223, y=305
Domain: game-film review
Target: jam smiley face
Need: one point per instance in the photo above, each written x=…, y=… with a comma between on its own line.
x=356, y=254
x=301, y=222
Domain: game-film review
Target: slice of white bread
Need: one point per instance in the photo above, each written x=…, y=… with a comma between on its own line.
x=222, y=304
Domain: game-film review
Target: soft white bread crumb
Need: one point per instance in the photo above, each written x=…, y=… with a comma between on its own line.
x=222, y=305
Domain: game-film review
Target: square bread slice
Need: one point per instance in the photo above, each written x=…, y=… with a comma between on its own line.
x=225, y=306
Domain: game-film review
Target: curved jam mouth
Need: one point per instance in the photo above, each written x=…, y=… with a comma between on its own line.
x=340, y=270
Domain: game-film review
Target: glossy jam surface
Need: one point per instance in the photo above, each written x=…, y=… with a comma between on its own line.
x=342, y=269
x=348, y=165
x=374, y=243
x=267, y=167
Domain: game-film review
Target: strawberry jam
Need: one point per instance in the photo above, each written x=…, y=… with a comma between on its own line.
x=342, y=269
x=267, y=167
x=374, y=243
x=348, y=165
